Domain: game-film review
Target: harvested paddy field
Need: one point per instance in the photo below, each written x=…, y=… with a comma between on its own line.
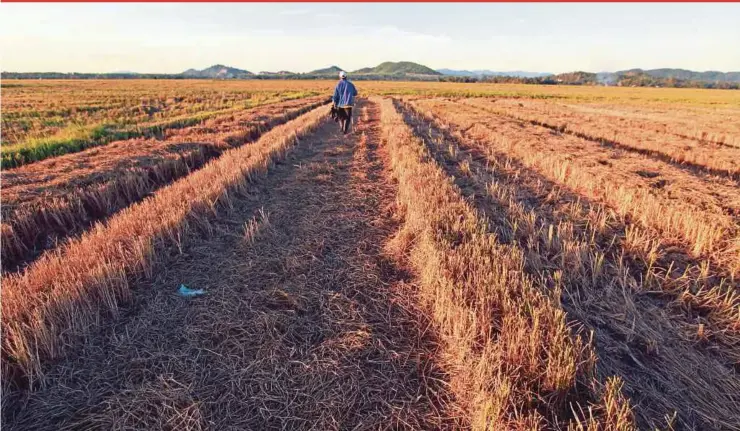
x=467, y=257
x=45, y=202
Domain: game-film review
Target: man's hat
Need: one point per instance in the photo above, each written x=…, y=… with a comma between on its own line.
x=342, y=74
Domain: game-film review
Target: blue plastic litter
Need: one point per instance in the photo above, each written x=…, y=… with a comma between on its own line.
x=188, y=292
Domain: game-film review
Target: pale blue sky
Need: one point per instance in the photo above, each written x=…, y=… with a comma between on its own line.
x=301, y=37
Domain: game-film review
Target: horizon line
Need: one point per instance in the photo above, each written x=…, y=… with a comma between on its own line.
x=129, y=72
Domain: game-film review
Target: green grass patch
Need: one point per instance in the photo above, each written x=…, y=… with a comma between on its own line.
x=77, y=138
x=70, y=140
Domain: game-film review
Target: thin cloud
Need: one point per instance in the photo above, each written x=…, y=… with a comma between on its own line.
x=392, y=33
x=294, y=12
x=267, y=32
x=324, y=15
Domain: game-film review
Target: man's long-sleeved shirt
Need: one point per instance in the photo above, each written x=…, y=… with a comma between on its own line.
x=344, y=93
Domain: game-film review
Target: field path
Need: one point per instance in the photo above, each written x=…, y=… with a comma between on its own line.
x=305, y=324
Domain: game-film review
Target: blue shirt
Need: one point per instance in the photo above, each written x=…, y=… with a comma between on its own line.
x=344, y=93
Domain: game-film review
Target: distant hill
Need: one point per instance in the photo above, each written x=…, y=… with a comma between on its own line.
x=686, y=75
x=650, y=78
x=282, y=73
x=486, y=72
x=578, y=78
x=454, y=72
x=218, y=71
x=331, y=70
x=639, y=77
x=408, y=71
x=398, y=68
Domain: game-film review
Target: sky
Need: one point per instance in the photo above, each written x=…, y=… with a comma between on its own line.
x=300, y=37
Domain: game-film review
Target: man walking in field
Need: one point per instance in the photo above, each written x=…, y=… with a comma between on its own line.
x=344, y=99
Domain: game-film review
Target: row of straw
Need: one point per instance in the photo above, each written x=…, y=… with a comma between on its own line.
x=513, y=361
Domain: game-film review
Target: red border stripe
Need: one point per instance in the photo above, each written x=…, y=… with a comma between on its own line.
x=369, y=1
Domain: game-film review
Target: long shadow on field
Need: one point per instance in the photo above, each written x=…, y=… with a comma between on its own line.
x=635, y=335
x=305, y=324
